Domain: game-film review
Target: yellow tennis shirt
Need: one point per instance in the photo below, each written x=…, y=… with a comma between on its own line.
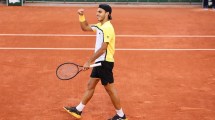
x=105, y=33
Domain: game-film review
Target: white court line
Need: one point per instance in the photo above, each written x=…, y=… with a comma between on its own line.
x=48, y=35
x=119, y=49
x=139, y=36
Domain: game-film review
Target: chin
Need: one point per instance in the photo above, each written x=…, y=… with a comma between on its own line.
x=99, y=19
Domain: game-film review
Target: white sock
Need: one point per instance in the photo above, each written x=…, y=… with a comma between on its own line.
x=80, y=107
x=120, y=112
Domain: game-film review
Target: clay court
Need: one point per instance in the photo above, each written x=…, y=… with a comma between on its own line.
x=164, y=63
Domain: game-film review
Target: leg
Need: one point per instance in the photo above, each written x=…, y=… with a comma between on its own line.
x=90, y=90
x=111, y=90
x=76, y=111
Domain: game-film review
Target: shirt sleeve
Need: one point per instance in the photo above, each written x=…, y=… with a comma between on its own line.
x=93, y=27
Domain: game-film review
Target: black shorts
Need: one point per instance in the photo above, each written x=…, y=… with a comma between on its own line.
x=104, y=72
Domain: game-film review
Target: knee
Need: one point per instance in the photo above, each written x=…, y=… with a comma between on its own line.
x=90, y=86
x=110, y=91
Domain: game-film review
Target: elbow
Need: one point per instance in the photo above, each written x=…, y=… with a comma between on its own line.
x=103, y=50
x=83, y=29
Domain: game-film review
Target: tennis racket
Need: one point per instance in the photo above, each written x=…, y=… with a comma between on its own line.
x=67, y=71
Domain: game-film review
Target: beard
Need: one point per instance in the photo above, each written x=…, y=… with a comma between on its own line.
x=100, y=19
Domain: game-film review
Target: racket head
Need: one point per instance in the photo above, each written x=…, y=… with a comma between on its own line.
x=67, y=71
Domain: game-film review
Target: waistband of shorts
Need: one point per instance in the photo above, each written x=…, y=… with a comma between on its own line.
x=104, y=61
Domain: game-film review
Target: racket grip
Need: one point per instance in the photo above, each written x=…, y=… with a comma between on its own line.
x=95, y=65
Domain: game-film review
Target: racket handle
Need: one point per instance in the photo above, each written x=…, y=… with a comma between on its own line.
x=95, y=65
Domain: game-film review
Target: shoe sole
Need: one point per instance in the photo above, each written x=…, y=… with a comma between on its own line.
x=123, y=119
x=73, y=114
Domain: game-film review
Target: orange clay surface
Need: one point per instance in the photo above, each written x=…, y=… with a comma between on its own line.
x=152, y=84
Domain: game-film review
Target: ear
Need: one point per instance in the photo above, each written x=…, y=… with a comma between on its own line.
x=107, y=14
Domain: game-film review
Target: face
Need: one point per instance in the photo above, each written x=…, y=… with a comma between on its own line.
x=101, y=14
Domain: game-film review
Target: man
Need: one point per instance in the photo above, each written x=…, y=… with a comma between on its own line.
x=104, y=53
x=205, y=4
x=213, y=4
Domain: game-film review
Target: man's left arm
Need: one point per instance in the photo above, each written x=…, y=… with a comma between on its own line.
x=97, y=54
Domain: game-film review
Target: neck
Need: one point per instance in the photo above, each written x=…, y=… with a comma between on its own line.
x=103, y=21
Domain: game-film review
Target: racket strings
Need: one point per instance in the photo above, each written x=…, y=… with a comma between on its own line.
x=67, y=71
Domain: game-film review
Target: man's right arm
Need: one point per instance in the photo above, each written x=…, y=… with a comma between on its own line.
x=84, y=24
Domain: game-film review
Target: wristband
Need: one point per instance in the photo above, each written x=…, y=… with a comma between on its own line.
x=82, y=18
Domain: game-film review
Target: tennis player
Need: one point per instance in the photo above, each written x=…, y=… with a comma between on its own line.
x=104, y=53
x=205, y=4
x=213, y=4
